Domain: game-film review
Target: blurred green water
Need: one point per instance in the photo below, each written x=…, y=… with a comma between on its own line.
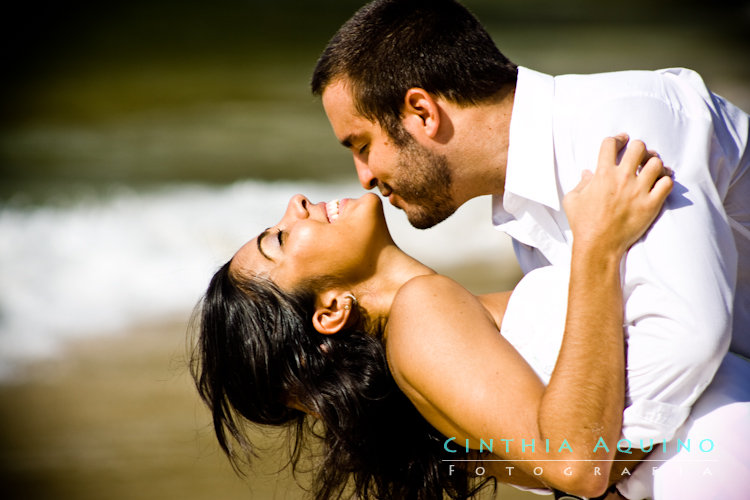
x=144, y=93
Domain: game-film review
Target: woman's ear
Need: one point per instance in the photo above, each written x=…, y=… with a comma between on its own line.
x=421, y=111
x=332, y=311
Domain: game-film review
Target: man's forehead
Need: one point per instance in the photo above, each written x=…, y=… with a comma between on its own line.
x=346, y=121
x=339, y=101
x=339, y=88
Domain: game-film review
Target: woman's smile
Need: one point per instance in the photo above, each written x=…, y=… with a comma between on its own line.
x=334, y=208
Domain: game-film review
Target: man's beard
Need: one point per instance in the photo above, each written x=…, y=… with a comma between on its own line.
x=424, y=182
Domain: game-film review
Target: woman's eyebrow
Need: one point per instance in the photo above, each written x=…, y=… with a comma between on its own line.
x=260, y=240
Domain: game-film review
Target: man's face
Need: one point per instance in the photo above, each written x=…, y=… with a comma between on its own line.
x=412, y=177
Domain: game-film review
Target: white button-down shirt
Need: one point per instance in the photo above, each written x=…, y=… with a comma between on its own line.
x=719, y=417
x=679, y=280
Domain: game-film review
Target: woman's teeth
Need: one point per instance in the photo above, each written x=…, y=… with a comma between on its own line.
x=332, y=210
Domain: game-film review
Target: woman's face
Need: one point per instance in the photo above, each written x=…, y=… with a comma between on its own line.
x=339, y=239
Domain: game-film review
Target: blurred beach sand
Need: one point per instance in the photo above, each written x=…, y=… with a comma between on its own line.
x=119, y=418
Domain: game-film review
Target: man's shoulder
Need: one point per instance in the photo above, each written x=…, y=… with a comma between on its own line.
x=609, y=85
x=681, y=89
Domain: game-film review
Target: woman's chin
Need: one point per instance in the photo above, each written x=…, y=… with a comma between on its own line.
x=374, y=197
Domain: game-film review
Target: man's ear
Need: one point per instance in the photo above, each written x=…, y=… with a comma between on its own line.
x=421, y=111
x=332, y=311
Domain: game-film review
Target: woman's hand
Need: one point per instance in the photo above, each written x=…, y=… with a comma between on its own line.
x=613, y=207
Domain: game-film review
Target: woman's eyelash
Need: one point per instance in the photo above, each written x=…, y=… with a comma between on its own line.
x=279, y=237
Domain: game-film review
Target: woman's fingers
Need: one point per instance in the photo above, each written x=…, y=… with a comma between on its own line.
x=635, y=156
x=651, y=171
x=637, y=161
x=610, y=149
x=661, y=189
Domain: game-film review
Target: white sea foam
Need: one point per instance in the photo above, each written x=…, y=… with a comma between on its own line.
x=104, y=265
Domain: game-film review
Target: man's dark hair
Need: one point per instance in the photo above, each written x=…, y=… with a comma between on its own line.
x=390, y=46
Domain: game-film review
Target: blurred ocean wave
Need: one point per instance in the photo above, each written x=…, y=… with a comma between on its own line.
x=104, y=264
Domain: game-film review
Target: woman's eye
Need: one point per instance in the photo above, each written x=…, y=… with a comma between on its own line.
x=363, y=149
x=280, y=237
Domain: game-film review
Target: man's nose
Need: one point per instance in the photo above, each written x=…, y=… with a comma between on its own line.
x=366, y=177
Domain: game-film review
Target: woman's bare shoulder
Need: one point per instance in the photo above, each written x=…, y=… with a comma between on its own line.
x=429, y=317
x=427, y=299
x=434, y=287
x=447, y=356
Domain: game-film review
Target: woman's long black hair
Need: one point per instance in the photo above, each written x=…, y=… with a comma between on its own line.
x=257, y=357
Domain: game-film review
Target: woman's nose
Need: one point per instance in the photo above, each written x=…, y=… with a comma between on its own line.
x=297, y=207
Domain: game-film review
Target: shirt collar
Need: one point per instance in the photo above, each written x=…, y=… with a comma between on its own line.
x=530, y=171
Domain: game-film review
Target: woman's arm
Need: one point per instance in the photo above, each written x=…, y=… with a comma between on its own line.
x=471, y=384
x=608, y=212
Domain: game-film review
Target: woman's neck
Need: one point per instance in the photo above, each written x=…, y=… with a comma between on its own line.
x=393, y=269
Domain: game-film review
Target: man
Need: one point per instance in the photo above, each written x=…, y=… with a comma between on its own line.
x=435, y=115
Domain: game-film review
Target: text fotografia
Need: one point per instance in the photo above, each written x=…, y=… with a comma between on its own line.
x=690, y=469
x=698, y=448
x=623, y=446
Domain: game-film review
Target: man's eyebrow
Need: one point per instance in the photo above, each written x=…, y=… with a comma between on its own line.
x=259, y=241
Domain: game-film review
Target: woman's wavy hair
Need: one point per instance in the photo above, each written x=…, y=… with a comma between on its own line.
x=257, y=358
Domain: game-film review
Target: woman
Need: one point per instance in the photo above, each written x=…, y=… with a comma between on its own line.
x=321, y=314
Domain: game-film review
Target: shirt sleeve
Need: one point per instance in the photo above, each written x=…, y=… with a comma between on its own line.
x=679, y=279
x=678, y=290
